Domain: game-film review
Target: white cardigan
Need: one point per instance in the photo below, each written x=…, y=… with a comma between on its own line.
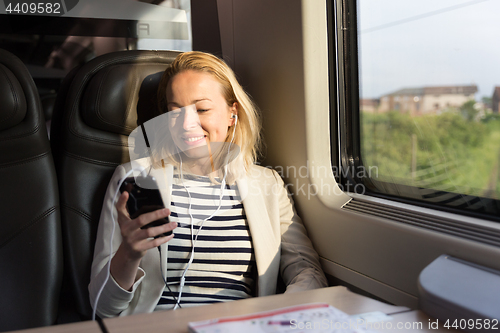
x=279, y=240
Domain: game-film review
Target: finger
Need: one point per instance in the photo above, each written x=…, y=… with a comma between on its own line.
x=147, y=218
x=147, y=244
x=121, y=209
x=121, y=204
x=159, y=241
x=159, y=230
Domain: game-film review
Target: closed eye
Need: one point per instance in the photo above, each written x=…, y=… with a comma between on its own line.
x=174, y=113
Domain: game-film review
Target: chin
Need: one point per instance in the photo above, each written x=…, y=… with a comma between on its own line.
x=196, y=152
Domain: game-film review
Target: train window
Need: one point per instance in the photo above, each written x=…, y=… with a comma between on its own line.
x=420, y=119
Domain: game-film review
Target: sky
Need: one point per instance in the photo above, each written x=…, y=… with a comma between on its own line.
x=411, y=44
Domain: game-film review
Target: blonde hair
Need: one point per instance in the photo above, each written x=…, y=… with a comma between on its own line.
x=248, y=129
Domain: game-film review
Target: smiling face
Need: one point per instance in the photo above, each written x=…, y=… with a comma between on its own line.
x=204, y=116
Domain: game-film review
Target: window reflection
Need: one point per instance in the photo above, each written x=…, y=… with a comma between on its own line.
x=88, y=31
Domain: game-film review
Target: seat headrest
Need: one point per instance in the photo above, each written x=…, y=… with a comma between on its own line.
x=12, y=99
x=116, y=94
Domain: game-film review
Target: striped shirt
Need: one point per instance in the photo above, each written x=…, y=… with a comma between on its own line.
x=222, y=269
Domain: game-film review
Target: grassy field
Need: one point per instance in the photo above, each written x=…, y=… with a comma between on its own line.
x=449, y=149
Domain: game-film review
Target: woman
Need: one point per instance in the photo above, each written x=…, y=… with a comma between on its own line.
x=234, y=225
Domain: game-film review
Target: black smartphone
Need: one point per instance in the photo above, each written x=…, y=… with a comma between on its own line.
x=144, y=197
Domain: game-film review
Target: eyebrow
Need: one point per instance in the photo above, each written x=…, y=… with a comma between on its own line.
x=193, y=102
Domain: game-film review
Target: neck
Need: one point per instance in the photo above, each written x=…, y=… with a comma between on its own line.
x=200, y=166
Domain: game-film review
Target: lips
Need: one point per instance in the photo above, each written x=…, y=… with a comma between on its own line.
x=193, y=140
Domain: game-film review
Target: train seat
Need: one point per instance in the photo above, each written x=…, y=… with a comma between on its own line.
x=98, y=105
x=48, y=102
x=31, y=259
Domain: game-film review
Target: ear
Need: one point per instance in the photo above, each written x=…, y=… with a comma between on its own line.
x=233, y=110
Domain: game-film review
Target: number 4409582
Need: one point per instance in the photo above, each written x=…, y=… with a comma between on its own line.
x=487, y=324
x=34, y=8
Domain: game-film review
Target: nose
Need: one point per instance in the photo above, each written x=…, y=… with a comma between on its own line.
x=191, y=119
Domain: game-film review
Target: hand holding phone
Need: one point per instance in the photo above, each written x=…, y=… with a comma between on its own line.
x=144, y=199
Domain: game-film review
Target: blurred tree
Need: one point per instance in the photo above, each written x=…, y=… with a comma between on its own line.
x=469, y=112
x=487, y=101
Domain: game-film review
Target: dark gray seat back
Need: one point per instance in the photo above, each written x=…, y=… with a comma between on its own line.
x=30, y=232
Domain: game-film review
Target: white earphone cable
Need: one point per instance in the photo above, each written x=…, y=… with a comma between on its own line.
x=108, y=265
x=221, y=196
